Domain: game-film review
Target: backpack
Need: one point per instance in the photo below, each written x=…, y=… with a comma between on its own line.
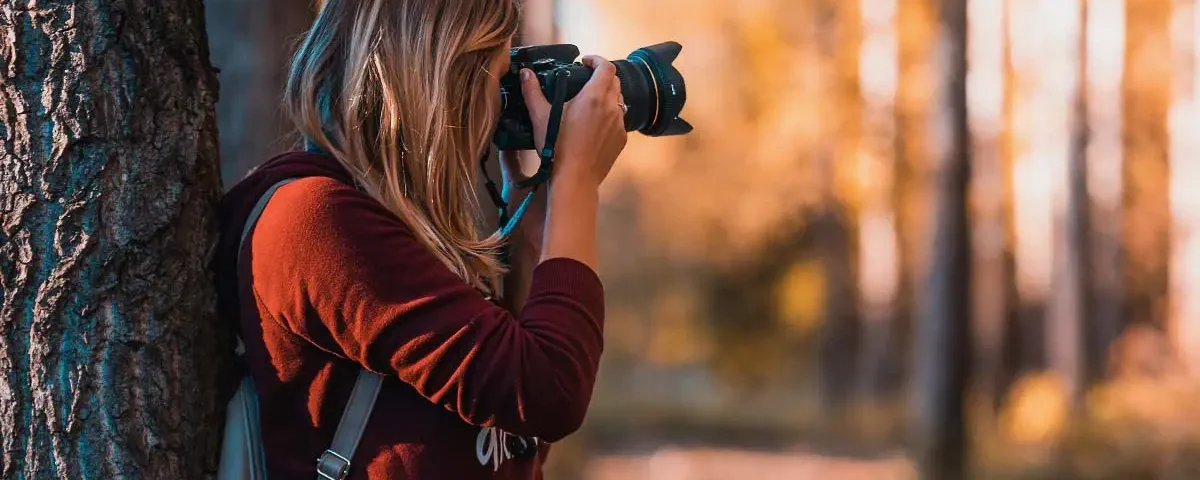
x=242, y=456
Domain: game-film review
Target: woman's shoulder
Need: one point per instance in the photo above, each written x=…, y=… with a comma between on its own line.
x=316, y=199
x=313, y=214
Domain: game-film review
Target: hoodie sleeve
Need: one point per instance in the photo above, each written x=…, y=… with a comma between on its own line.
x=339, y=270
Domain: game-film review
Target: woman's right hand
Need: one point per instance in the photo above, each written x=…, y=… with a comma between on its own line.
x=592, y=132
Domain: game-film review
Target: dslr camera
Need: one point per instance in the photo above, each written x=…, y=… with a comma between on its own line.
x=654, y=90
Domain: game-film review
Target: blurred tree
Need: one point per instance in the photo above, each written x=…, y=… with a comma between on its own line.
x=1147, y=98
x=252, y=43
x=1011, y=360
x=110, y=347
x=988, y=88
x=538, y=22
x=916, y=22
x=943, y=358
x=1067, y=306
x=838, y=36
x=878, y=250
x=1103, y=58
x=1076, y=274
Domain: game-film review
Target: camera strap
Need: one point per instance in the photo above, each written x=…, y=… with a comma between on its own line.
x=509, y=223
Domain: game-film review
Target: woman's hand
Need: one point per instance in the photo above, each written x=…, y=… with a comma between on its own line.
x=592, y=131
x=590, y=137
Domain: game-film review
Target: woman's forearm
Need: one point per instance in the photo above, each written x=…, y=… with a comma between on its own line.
x=571, y=223
x=524, y=253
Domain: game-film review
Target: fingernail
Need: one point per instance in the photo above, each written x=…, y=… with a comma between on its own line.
x=526, y=75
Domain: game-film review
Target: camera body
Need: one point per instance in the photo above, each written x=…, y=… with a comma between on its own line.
x=515, y=131
x=653, y=90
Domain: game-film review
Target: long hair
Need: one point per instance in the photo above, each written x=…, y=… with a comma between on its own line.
x=398, y=92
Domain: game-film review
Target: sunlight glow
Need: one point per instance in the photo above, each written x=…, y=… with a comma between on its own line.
x=1184, y=196
x=1043, y=35
x=879, y=262
x=1105, y=67
x=985, y=78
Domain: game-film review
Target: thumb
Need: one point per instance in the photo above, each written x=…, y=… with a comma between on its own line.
x=535, y=100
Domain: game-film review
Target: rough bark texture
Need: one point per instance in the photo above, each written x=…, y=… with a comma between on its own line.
x=108, y=180
x=943, y=356
x=252, y=44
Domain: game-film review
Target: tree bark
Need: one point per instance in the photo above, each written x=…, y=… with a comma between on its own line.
x=109, y=341
x=944, y=333
x=252, y=44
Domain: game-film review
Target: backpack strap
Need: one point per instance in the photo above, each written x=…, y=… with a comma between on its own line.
x=334, y=463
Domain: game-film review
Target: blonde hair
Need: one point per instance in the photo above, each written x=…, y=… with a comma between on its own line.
x=398, y=92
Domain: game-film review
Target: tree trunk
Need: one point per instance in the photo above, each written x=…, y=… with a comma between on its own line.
x=944, y=333
x=539, y=26
x=1077, y=300
x=109, y=341
x=916, y=22
x=252, y=44
x=1064, y=105
x=1104, y=56
x=991, y=271
x=878, y=262
x=837, y=27
x=1147, y=99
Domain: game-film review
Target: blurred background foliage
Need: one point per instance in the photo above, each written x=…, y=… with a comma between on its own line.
x=774, y=308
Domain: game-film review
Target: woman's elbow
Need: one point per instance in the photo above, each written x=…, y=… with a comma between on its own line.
x=552, y=405
x=561, y=418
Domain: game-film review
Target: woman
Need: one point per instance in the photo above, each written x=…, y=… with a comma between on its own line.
x=371, y=260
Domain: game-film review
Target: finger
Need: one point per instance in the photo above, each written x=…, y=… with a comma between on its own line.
x=595, y=61
x=518, y=165
x=615, y=92
x=535, y=100
x=604, y=74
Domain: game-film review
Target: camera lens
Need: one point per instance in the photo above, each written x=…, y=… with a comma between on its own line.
x=654, y=90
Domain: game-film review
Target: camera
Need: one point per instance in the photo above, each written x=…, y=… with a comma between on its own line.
x=653, y=89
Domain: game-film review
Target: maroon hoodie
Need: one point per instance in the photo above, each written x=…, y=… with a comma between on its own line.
x=333, y=282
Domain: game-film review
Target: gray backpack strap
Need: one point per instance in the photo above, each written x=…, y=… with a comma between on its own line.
x=334, y=463
x=257, y=212
x=250, y=222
